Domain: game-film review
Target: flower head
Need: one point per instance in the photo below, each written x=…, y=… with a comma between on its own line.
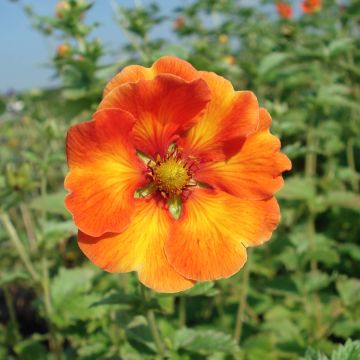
x=171, y=137
x=63, y=50
x=62, y=8
x=310, y=6
x=284, y=10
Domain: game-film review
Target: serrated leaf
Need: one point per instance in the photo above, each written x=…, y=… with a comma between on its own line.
x=118, y=298
x=349, y=290
x=298, y=188
x=312, y=354
x=11, y=277
x=349, y=351
x=202, y=289
x=204, y=342
x=51, y=203
x=271, y=61
x=344, y=199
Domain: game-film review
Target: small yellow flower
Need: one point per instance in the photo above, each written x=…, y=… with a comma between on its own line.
x=223, y=39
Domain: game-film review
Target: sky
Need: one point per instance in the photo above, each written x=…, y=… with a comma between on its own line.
x=25, y=53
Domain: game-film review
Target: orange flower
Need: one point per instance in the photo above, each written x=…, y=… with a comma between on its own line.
x=178, y=23
x=230, y=60
x=284, y=10
x=205, y=192
x=63, y=50
x=223, y=39
x=62, y=7
x=310, y=6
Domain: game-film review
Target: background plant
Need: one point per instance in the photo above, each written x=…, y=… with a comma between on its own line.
x=298, y=296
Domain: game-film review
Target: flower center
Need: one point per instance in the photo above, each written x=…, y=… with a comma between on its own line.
x=171, y=176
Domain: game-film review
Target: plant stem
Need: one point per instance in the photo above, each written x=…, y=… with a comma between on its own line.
x=54, y=344
x=310, y=172
x=12, y=314
x=312, y=240
x=351, y=163
x=14, y=237
x=242, y=304
x=182, y=311
x=29, y=227
x=150, y=317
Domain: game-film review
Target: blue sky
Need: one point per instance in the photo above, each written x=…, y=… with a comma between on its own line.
x=25, y=52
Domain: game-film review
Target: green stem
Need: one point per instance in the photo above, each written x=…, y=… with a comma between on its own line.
x=14, y=237
x=54, y=344
x=30, y=230
x=12, y=314
x=310, y=161
x=310, y=172
x=182, y=311
x=242, y=304
x=150, y=316
x=351, y=163
x=312, y=240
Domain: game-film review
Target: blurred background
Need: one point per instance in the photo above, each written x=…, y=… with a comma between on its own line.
x=298, y=296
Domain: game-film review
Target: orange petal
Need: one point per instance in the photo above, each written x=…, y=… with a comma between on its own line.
x=208, y=241
x=255, y=171
x=164, y=65
x=162, y=107
x=175, y=66
x=230, y=115
x=139, y=248
x=104, y=173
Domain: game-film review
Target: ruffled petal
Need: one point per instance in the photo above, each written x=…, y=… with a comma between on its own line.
x=175, y=66
x=209, y=240
x=163, y=108
x=255, y=171
x=230, y=115
x=164, y=65
x=104, y=172
x=139, y=248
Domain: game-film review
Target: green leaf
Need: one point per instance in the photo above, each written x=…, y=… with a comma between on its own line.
x=339, y=46
x=204, y=342
x=298, y=188
x=349, y=290
x=51, y=203
x=175, y=207
x=344, y=199
x=312, y=354
x=119, y=298
x=271, y=61
x=202, y=289
x=71, y=300
x=12, y=277
x=32, y=348
x=349, y=351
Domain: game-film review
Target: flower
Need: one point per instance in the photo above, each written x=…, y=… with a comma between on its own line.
x=223, y=39
x=179, y=23
x=63, y=50
x=310, y=6
x=61, y=9
x=230, y=60
x=284, y=10
x=174, y=177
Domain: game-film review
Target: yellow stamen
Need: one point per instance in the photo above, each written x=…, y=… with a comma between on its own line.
x=171, y=176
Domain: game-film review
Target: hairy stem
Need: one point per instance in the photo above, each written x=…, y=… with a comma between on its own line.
x=242, y=304
x=182, y=311
x=15, y=239
x=351, y=162
x=54, y=343
x=12, y=314
x=29, y=227
x=150, y=316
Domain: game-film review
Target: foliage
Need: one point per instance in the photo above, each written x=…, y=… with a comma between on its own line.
x=301, y=290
